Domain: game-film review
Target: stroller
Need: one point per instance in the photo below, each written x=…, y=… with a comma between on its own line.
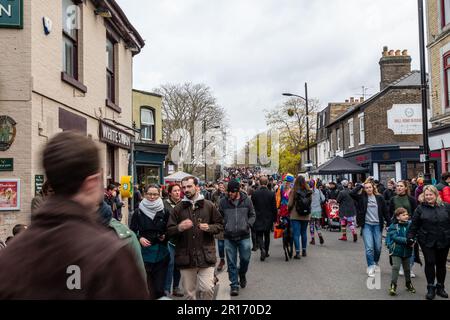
x=332, y=211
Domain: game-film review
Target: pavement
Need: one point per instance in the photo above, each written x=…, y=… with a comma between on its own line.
x=334, y=271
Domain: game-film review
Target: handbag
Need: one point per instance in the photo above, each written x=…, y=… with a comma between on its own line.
x=277, y=232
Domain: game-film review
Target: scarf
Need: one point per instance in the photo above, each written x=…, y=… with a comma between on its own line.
x=200, y=197
x=150, y=208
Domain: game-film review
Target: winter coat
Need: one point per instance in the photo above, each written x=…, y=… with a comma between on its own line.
x=392, y=208
x=398, y=232
x=388, y=194
x=332, y=194
x=64, y=234
x=363, y=200
x=316, y=204
x=444, y=191
x=195, y=248
x=293, y=211
x=265, y=206
x=418, y=192
x=237, y=219
x=431, y=226
x=347, y=206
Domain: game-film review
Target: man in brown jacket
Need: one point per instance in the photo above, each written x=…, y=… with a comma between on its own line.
x=193, y=223
x=65, y=253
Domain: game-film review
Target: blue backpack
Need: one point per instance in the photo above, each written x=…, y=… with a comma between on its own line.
x=389, y=242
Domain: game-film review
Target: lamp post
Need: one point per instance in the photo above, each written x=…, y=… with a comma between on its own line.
x=307, y=121
x=424, y=88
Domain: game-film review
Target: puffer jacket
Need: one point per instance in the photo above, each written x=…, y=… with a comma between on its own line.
x=237, y=219
x=431, y=226
x=444, y=191
x=397, y=232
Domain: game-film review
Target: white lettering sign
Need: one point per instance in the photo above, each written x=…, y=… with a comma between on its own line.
x=115, y=136
x=7, y=11
x=405, y=119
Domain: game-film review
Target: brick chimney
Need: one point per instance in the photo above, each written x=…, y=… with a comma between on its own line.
x=393, y=66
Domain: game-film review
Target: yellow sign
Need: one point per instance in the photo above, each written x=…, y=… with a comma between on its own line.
x=126, y=188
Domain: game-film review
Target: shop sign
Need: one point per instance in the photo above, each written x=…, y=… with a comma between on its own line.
x=6, y=164
x=11, y=14
x=406, y=119
x=38, y=183
x=114, y=136
x=7, y=132
x=9, y=194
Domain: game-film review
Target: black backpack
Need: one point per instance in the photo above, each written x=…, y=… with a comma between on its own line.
x=303, y=202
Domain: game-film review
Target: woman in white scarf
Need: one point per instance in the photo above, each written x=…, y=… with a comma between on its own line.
x=150, y=226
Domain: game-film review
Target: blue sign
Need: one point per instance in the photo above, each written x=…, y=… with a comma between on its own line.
x=11, y=14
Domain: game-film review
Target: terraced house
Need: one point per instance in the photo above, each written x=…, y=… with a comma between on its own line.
x=65, y=65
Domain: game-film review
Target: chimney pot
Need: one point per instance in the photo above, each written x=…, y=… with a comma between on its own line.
x=391, y=52
x=346, y=101
x=385, y=51
x=405, y=52
x=397, y=53
x=361, y=99
x=352, y=99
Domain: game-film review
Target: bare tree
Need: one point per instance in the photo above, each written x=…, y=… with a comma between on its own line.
x=189, y=107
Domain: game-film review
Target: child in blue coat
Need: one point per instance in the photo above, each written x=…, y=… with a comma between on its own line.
x=400, y=249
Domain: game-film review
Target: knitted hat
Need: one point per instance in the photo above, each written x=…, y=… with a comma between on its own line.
x=233, y=186
x=289, y=178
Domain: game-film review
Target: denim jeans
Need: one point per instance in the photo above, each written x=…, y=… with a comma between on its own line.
x=172, y=272
x=244, y=247
x=221, y=246
x=372, y=242
x=299, y=229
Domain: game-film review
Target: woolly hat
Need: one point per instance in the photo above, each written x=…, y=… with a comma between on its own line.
x=233, y=186
x=289, y=178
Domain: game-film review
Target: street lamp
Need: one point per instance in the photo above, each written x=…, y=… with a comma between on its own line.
x=424, y=88
x=204, y=146
x=307, y=121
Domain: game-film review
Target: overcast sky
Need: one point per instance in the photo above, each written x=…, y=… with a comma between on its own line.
x=251, y=51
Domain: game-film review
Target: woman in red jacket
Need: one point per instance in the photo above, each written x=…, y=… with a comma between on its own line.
x=444, y=187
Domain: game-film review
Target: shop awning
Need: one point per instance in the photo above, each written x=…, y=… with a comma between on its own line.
x=339, y=165
x=177, y=176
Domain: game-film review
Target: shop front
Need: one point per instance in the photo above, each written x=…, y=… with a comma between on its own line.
x=149, y=163
x=390, y=162
x=440, y=145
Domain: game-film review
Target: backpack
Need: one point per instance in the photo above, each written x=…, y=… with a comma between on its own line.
x=389, y=242
x=303, y=203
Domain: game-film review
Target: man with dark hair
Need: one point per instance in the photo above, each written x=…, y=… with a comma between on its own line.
x=444, y=187
x=66, y=253
x=265, y=206
x=193, y=224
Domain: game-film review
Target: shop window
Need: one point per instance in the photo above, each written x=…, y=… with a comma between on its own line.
x=387, y=172
x=445, y=12
x=148, y=175
x=447, y=79
x=110, y=70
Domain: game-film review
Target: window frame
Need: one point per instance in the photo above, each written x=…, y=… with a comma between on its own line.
x=446, y=67
x=75, y=43
x=351, y=133
x=444, y=23
x=362, y=129
x=338, y=139
x=153, y=131
x=111, y=80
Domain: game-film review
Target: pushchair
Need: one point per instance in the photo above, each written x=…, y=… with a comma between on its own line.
x=332, y=211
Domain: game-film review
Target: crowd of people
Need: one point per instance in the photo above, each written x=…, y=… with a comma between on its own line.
x=169, y=248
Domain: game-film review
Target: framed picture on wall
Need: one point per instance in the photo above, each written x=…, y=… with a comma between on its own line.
x=9, y=194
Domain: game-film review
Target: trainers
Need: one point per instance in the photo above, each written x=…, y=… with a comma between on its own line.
x=221, y=265
x=413, y=275
x=371, y=272
x=303, y=253
x=297, y=256
x=242, y=281
x=377, y=268
x=321, y=240
x=410, y=288
x=234, y=292
x=343, y=238
x=313, y=242
x=355, y=237
x=393, y=289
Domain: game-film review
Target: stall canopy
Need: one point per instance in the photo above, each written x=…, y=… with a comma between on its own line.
x=176, y=177
x=338, y=165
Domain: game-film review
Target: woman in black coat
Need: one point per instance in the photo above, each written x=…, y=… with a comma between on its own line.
x=371, y=218
x=347, y=212
x=431, y=226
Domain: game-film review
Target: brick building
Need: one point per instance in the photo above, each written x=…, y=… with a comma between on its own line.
x=438, y=22
x=54, y=77
x=383, y=133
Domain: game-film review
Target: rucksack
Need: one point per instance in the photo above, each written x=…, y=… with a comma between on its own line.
x=389, y=242
x=303, y=202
